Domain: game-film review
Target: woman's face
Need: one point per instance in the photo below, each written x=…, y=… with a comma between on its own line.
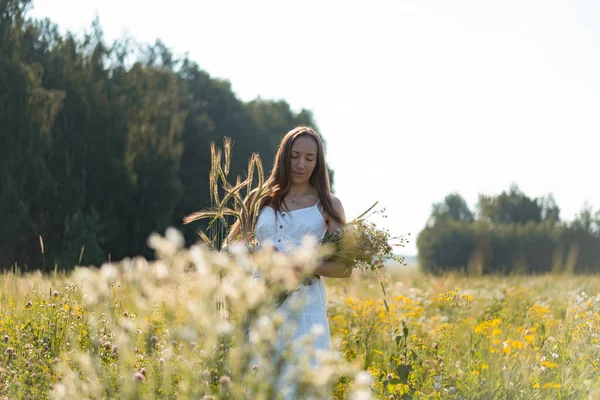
x=303, y=159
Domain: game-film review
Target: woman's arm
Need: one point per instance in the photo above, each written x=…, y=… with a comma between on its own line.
x=328, y=268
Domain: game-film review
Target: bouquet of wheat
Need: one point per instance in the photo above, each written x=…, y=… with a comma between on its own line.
x=240, y=201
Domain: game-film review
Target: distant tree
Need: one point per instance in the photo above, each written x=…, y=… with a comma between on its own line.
x=446, y=246
x=154, y=150
x=27, y=113
x=550, y=210
x=454, y=207
x=158, y=55
x=513, y=207
x=513, y=234
x=585, y=220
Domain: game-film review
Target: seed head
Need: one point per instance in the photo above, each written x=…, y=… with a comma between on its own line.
x=138, y=376
x=225, y=380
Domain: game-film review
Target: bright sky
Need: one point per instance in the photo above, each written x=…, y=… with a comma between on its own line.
x=415, y=98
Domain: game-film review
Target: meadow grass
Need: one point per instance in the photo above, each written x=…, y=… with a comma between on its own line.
x=488, y=337
x=146, y=330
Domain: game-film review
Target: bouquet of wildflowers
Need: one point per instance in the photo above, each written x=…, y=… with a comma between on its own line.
x=361, y=244
x=358, y=244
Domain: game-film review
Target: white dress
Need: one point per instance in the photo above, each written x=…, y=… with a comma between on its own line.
x=285, y=232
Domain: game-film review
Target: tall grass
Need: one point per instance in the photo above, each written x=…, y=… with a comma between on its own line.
x=142, y=329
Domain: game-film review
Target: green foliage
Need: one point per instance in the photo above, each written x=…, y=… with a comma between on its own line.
x=27, y=113
x=454, y=207
x=445, y=246
x=102, y=144
x=513, y=207
x=513, y=234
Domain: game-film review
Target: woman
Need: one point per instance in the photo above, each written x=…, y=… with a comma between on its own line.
x=300, y=203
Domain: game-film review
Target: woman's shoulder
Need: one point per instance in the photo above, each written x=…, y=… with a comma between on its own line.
x=335, y=201
x=336, y=204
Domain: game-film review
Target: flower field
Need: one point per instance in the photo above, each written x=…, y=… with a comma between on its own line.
x=177, y=328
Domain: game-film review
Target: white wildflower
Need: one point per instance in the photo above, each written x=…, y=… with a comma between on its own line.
x=160, y=270
x=364, y=379
x=317, y=330
x=175, y=237
x=198, y=258
x=254, y=291
x=264, y=328
x=224, y=327
x=109, y=272
x=361, y=394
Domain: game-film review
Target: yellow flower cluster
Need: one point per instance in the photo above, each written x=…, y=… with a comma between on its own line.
x=488, y=328
x=455, y=299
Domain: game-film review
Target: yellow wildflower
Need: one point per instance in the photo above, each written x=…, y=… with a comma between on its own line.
x=551, y=385
x=530, y=338
x=549, y=364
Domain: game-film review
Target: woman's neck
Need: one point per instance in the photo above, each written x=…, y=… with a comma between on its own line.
x=300, y=189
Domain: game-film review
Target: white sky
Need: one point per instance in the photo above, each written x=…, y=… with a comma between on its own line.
x=415, y=98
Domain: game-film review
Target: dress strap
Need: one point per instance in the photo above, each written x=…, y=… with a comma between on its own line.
x=319, y=209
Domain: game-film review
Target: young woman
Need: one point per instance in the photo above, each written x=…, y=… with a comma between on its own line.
x=300, y=203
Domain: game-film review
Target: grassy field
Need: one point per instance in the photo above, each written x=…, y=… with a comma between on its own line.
x=150, y=330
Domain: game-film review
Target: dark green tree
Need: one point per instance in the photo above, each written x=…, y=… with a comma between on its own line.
x=550, y=210
x=103, y=144
x=454, y=207
x=513, y=207
x=27, y=112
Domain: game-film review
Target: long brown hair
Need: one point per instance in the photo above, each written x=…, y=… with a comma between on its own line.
x=277, y=186
x=280, y=180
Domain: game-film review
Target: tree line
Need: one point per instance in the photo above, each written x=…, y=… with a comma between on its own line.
x=102, y=144
x=509, y=233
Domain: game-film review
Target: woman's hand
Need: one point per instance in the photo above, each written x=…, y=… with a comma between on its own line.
x=332, y=269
